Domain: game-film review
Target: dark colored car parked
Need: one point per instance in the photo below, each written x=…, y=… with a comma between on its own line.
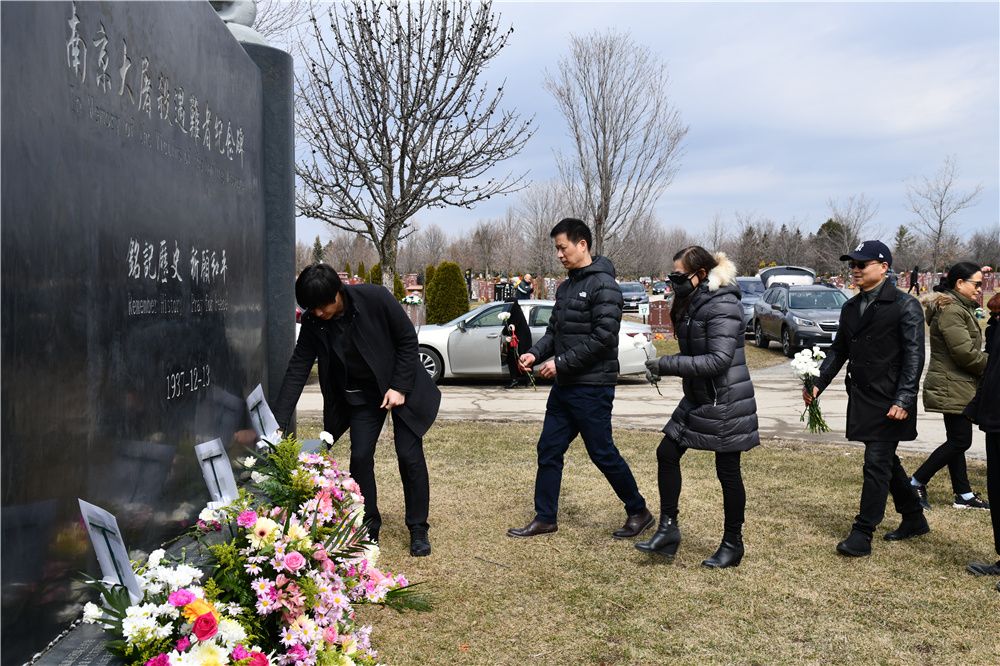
x=798, y=316
x=659, y=287
x=751, y=289
x=633, y=294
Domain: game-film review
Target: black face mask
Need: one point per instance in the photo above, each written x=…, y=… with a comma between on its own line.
x=681, y=282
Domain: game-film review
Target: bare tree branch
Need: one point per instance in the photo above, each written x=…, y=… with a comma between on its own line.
x=627, y=136
x=397, y=119
x=935, y=201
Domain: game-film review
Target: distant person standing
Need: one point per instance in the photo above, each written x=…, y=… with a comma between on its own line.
x=984, y=410
x=517, y=329
x=881, y=339
x=957, y=365
x=581, y=348
x=914, y=280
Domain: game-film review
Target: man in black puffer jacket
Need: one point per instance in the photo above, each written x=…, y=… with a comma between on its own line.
x=582, y=341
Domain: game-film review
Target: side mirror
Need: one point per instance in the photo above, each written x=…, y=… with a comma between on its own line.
x=461, y=326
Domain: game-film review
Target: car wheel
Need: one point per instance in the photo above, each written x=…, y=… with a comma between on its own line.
x=759, y=338
x=432, y=363
x=786, y=343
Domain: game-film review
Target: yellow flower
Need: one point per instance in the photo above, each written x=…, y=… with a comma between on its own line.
x=207, y=654
x=262, y=532
x=197, y=608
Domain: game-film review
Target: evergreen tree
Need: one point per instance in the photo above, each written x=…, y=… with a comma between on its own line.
x=347, y=269
x=398, y=290
x=448, y=295
x=362, y=273
x=375, y=276
x=317, y=251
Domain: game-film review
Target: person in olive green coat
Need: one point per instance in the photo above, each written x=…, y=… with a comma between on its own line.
x=956, y=367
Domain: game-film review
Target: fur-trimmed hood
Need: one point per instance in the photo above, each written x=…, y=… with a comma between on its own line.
x=936, y=301
x=723, y=275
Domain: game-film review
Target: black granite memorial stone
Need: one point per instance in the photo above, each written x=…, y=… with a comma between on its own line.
x=133, y=296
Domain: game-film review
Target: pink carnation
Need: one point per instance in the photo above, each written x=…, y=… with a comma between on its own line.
x=294, y=561
x=183, y=644
x=180, y=598
x=240, y=652
x=159, y=660
x=246, y=518
x=298, y=653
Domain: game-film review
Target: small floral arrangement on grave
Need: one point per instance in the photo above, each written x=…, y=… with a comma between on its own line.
x=806, y=366
x=509, y=343
x=285, y=565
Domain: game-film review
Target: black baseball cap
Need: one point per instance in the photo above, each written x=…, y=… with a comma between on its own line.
x=868, y=251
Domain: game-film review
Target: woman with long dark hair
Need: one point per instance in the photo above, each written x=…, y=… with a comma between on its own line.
x=957, y=364
x=718, y=411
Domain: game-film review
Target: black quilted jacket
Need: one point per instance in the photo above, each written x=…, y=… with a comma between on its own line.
x=718, y=411
x=583, y=331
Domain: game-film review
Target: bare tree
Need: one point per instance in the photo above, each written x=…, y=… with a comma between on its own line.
x=935, y=201
x=852, y=217
x=984, y=247
x=278, y=20
x=485, y=239
x=397, y=119
x=626, y=134
x=540, y=207
x=715, y=236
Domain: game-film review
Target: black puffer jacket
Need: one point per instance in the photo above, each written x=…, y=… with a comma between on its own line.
x=984, y=410
x=718, y=411
x=583, y=330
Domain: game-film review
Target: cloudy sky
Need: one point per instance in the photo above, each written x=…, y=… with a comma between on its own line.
x=788, y=104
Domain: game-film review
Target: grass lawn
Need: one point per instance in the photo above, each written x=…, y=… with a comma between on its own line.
x=580, y=597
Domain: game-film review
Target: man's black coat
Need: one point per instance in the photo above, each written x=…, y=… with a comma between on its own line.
x=884, y=352
x=387, y=342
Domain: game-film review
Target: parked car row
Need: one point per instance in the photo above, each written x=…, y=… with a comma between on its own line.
x=797, y=316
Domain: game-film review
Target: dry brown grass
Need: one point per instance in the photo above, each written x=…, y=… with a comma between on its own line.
x=580, y=597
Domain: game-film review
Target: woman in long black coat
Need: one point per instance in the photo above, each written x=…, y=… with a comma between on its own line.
x=718, y=411
x=984, y=410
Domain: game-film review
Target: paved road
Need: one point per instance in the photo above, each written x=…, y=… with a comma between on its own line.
x=637, y=405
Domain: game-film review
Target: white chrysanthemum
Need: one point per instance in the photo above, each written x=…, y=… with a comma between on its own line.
x=371, y=554
x=326, y=438
x=207, y=652
x=156, y=557
x=231, y=633
x=209, y=515
x=258, y=478
x=92, y=613
x=249, y=461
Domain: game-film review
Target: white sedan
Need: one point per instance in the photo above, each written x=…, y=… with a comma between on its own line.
x=469, y=346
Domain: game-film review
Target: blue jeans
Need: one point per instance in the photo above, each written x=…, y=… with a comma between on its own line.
x=585, y=411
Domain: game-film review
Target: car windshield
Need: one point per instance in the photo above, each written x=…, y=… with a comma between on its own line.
x=753, y=286
x=632, y=288
x=816, y=299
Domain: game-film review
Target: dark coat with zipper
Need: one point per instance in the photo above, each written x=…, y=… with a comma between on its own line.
x=884, y=353
x=957, y=356
x=984, y=410
x=583, y=331
x=387, y=341
x=718, y=411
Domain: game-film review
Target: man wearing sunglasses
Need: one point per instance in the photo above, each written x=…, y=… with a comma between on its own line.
x=881, y=339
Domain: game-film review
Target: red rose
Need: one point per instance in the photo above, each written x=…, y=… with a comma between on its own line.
x=258, y=659
x=205, y=626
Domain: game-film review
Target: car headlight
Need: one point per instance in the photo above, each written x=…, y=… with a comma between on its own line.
x=804, y=322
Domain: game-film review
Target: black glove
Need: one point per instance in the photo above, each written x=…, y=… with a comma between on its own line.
x=653, y=370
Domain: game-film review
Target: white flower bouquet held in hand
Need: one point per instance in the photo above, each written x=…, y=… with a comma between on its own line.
x=806, y=366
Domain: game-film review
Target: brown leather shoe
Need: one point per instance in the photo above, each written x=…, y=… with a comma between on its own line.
x=534, y=528
x=636, y=524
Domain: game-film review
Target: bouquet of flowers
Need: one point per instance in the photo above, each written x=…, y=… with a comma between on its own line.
x=806, y=366
x=285, y=564
x=176, y=623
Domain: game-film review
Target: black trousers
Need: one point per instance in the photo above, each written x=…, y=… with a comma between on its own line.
x=993, y=483
x=950, y=454
x=884, y=475
x=727, y=469
x=366, y=424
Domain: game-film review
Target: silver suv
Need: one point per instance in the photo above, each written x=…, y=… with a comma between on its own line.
x=798, y=316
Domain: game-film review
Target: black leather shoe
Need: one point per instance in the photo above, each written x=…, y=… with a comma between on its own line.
x=908, y=529
x=729, y=554
x=984, y=569
x=664, y=541
x=516, y=383
x=857, y=544
x=534, y=528
x=420, y=546
x=635, y=525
